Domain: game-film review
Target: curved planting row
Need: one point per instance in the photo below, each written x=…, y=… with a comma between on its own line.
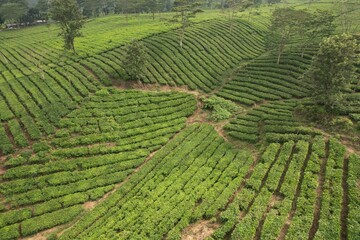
x=263, y=79
x=191, y=177
x=28, y=48
x=271, y=122
x=209, y=49
x=97, y=146
x=352, y=106
x=38, y=101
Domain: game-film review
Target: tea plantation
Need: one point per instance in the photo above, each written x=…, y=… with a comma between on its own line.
x=86, y=154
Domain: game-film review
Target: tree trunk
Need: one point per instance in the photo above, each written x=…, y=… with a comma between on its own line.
x=153, y=16
x=182, y=37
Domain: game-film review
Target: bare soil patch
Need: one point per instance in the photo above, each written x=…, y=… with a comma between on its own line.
x=199, y=230
x=2, y=170
x=8, y=133
x=319, y=192
x=345, y=200
x=292, y=212
x=127, y=85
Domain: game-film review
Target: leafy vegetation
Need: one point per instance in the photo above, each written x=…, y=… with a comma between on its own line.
x=212, y=135
x=221, y=109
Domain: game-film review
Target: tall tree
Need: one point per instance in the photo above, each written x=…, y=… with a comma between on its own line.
x=313, y=26
x=284, y=26
x=43, y=6
x=333, y=69
x=126, y=7
x=68, y=14
x=185, y=11
x=12, y=11
x=232, y=7
x=152, y=6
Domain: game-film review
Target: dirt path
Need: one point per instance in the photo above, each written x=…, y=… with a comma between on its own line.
x=8, y=133
x=274, y=199
x=345, y=200
x=199, y=230
x=291, y=215
x=132, y=85
x=242, y=185
x=319, y=192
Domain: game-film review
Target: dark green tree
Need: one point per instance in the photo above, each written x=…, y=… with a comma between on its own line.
x=135, y=60
x=13, y=11
x=333, y=70
x=44, y=7
x=70, y=19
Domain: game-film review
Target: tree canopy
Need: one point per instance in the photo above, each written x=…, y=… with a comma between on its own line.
x=333, y=69
x=70, y=19
x=135, y=60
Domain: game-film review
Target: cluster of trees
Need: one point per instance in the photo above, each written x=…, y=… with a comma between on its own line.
x=332, y=69
x=26, y=11
x=23, y=11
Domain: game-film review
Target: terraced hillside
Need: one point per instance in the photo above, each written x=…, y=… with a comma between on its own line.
x=278, y=201
x=263, y=79
x=97, y=146
x=271, y=122
x=34, y=99
x=192, y=176
x=84, y=155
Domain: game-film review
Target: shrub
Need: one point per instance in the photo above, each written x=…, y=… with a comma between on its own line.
x=40, y=146
x=342, y=123
x=221, y=108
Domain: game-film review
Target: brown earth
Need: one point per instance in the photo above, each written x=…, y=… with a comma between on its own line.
x=199, y=230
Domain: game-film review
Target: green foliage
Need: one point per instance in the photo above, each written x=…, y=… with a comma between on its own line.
x=222, y=109
x=40, y=146
x=103, y=92
x=69, y=16
x=333, y=69
x=49, y=220
x=52, y=236
x=135, y=60
x=13, y=11
x=342, y=123
x=10, y=232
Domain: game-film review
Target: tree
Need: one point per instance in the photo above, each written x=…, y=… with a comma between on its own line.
x=135, y=60
x=152, y=6
x=313, y=26
x=126, y=7
x=234, y=6
x=333, y=69
x=185, y=11
x=68, y=14
x=13, y=11
x=43, y=6
x=285, y=24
